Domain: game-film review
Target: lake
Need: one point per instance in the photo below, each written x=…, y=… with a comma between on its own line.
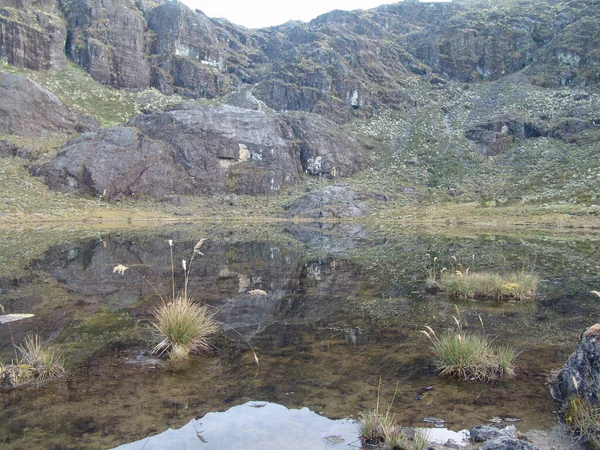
x=343, y=312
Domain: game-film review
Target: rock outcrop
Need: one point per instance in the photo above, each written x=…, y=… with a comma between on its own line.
x=199, y=150
x=109, y=38
x=328, y=202
x=29, y=110
x=32, y=37
x=581, y=374
x=341, y=64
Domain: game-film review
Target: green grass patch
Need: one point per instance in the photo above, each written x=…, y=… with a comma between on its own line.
x=470, y=356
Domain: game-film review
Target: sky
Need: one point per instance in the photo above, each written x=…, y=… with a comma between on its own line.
x=266, y=13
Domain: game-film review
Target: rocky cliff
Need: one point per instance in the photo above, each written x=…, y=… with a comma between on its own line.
x=339, y=64
x=461, y=79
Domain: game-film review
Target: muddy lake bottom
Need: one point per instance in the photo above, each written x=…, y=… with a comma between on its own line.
x=343, y=312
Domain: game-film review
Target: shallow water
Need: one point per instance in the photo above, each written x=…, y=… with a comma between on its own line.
x=344, y=308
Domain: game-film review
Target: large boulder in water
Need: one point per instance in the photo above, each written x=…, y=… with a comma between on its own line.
x=581, y=374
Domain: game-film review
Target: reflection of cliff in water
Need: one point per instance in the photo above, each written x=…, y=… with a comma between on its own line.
x=298, y=288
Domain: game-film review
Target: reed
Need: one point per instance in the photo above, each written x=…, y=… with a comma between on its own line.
x=378, y=429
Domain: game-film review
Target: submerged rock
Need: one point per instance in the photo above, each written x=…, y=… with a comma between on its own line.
x=581, y=374
x=507, y=443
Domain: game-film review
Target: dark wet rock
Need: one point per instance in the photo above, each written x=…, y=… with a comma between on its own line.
x=32, y=34
x=484, y=433
x=199, y=150
x=29, y=110
x=507, y=443
x=580, y=376
x=328, y=202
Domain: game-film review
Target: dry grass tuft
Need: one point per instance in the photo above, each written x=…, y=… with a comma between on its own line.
x=583, y=419
x=184, y=325
x=464, y=283
x=38, y=361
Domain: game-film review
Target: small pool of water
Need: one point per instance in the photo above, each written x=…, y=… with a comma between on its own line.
x=342, y=316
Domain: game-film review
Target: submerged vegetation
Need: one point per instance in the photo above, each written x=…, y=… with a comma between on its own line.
x=470, y=356
x=465, y=284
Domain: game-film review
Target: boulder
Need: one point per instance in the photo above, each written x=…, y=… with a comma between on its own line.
x=581, y=374
x=29, y=110
x=328, y=202
x=115, y=162
x=484, y=433
x=507, y=443
x=199, y=150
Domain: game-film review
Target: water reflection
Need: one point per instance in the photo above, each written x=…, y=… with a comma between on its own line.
x=343, y=309
x=256, y=425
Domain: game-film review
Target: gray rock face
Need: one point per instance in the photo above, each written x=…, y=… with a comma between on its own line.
x=29, y=110
x=581, y=373
x=328, y=202
x=195, y=150
x=341, y=65
x=320, y=146
x=115, y=55
x=114, y=162
x=35, y=40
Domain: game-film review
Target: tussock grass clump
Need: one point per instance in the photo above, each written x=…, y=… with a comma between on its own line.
x=583, y=419
x=466, y=284
x=378, y=429
x=37, y=361
x=44, y=360
x=519, y=286
x=470, y=356
x=184, y=326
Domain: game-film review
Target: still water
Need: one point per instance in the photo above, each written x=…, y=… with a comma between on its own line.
x=342, y=314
